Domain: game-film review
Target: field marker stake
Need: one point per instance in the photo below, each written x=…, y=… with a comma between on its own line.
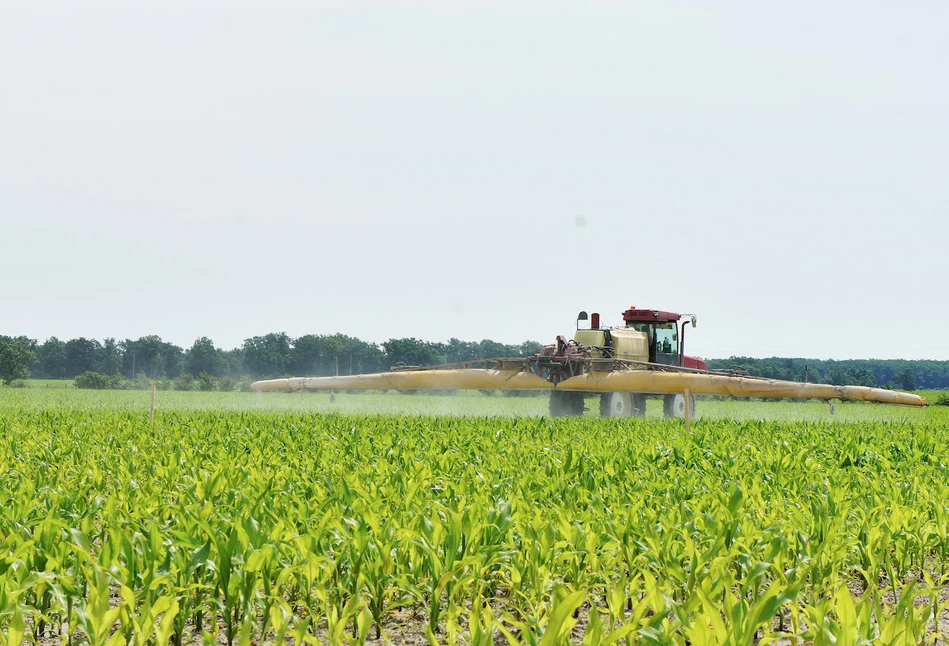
x=688, y=413
x=151, y=413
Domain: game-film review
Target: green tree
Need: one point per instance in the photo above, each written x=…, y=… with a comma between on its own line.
x=151, y=356
x=308, y=357
x=82, y=355
x=233, y=362
x=97, y=381
x=411, y=352
x=492, y=349
x=456, y=351
x=110, y=361
x=321, y=354
x=905, y=379
x=52, y=359
x=837, y=376
x=267, y=356
x=203, y=357
x=15, y=359
x=359, y=356
x=205, y=382
x=862, y=376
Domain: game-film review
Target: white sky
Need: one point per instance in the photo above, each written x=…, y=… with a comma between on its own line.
x=388, y=169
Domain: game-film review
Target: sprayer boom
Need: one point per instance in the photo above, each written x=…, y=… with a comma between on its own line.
x=622, y=365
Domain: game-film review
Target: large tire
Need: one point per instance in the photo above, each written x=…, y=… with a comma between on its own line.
x=616, y=404
x=622, y=405
x=674, y=405
x=565, y=403
x=639, y=405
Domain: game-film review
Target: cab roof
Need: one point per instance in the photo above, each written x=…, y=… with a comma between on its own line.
x=633, y=315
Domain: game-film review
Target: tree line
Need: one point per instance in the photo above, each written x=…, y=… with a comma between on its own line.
x=277, y=355
x=899, y=374
x=259, y=357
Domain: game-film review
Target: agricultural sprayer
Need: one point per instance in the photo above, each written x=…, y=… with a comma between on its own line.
x=619, y=365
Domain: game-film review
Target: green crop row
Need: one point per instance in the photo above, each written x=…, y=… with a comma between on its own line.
x=260, y=526
x=461, y=403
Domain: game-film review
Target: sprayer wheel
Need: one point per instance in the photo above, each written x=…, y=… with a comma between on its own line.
x=565, y=403
x=674, y=405
x=616, y=404
x=639, y=405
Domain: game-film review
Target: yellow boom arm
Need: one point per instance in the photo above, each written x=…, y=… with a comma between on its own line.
x=462, y=379
x=641, y=381
x=647, y=381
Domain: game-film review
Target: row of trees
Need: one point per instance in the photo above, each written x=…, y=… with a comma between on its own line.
x=276, y=354
x=260, y=357
x=886, y=373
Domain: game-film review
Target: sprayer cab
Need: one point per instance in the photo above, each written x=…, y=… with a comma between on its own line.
x=666, y=336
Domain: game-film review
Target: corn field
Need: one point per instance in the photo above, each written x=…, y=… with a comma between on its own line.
x=250, y=527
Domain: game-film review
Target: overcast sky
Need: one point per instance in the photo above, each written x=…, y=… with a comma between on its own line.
x=478, y=170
